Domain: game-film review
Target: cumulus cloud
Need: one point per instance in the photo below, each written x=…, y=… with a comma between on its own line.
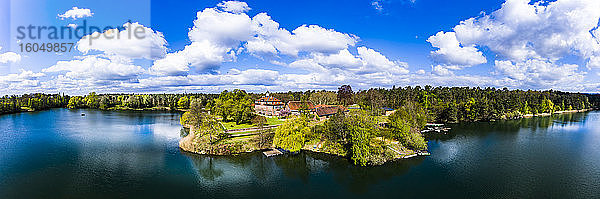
x=9, y=57
x=134, y=41
x=441, y=71
x=538, y=73
x=76, y=13
x=97, y=68
x=594, y=62
x=218, y=35
x=367, y=61
x=25, y=80
x=450, y=51
x=306, y=38
x=233, y=77
x=204, y=56
x=519, y=30
x=531, y=41
x=234, y=6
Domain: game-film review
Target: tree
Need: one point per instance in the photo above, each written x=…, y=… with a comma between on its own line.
x=263, y=139
x=202, y=123
x=104, y=103
x=406, y=123
x=91, y=100
x=234, y=106
x=345, y=94
x=361, y=129
x=76, y=102
x=335, y=127
x=291, y=134
x=183, y=102
x=323, y=97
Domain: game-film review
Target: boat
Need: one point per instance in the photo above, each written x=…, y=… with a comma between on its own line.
x=82, y=114
x=424, y=153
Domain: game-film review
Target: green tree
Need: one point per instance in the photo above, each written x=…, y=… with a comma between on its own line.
x=263, y=138
x=183, y=102
x=323, y=97
x=76, y=102
x=345, y=94
x=335, y=127
x=362, y=127
x=91, y=100
x=291, y=134
x=406, y=123
x=234, y=106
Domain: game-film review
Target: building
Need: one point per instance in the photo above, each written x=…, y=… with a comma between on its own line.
x=268, y=105
x=295, y=107
x=328, y=110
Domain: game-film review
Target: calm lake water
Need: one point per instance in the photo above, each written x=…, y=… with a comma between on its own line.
x=60, y=154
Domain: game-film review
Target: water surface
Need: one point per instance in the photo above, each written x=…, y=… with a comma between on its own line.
x=60, y=154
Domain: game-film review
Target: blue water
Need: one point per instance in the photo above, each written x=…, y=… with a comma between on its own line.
x=60, y=154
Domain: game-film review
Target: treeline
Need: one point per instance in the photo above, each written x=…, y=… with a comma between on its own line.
x=443, y=104
x=454, y=104
x=31, y=102
x=139, y=101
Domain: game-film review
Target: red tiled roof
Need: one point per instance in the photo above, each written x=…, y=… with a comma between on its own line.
x=322, y=105
x=268, y=99
x=297, y=105
x=328, y=110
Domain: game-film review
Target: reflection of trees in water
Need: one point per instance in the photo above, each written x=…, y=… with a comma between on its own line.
x=509, y=126
x=358, y=179
x=210, y=167
x=308, y=167
x=355, y=178
x=205, y=167
x=294, y=166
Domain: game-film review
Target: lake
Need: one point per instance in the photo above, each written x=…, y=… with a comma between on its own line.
x=60, y=154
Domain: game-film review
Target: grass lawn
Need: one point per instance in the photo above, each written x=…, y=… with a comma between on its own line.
x=233, y=126
x=273, y=121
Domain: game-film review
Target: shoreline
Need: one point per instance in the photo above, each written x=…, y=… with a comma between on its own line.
x=556, y=113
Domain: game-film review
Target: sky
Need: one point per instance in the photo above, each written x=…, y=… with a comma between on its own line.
x=208, y=46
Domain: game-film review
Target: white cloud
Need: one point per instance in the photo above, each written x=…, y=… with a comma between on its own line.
x=203, y=56
x=450, y=50
x=441, y=71
x=374, y=62
x=233, y=77
x=9, y=57
x=134, y=41
x=549, y=30
x=536, y=73
x=368, y=61
x=97, y=68
x=315, y=38
x=531, y=42
x=20, y=81
x=594, y=62
x=234, y=6
x=219, y=35
x=222, y=28
x=76, y=13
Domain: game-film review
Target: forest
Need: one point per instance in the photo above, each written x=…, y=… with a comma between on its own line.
x=453, y=104
x=443, y=104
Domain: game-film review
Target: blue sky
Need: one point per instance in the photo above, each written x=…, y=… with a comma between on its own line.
x=208, y=46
